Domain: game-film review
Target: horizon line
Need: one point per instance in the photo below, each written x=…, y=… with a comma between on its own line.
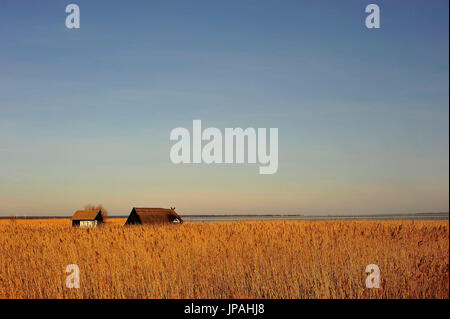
x=253, y=215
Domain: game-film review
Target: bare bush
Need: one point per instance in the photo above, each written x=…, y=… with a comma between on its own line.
x=97, y=208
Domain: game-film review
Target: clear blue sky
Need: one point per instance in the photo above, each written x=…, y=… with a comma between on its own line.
x=85, y=115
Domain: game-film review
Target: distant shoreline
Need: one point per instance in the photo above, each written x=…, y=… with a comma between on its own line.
x=240, y=217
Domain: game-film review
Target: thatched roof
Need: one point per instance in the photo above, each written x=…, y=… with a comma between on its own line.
x=156, y=215
x=85, y=215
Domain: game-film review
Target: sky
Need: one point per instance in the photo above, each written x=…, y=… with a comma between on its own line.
x=362, y=114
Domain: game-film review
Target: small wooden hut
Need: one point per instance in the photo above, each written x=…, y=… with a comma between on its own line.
x=87, y=218
x=140, y=216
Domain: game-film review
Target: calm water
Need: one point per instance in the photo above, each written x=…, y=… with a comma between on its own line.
x=215, y=218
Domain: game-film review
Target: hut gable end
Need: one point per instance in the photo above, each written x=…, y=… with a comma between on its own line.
x=86, y=217
x=141, y=215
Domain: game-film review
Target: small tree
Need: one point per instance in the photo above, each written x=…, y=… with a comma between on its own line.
x=97, y=208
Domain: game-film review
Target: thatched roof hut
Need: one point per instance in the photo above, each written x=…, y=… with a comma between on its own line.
x=153, y=216
x=87, y=218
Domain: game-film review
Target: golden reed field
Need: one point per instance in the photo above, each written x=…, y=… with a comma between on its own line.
x=267, y=259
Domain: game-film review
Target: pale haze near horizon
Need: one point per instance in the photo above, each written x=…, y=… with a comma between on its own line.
x=85, y=115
